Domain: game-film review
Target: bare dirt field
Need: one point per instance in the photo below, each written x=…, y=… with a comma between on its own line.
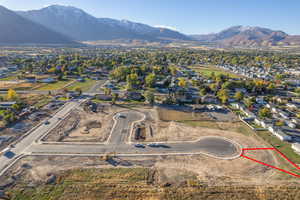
x=34, y=175
x=17, y=85
x=174, y=125
x=83, y=126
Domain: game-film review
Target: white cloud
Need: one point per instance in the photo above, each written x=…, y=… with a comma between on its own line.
x=168, y=27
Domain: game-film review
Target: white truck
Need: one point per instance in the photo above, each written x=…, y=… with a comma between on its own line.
x=4, y=151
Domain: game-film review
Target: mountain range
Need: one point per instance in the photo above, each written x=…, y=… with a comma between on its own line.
x=249, y=36
x=18, y=30
x=58, y=24
x=81, y=26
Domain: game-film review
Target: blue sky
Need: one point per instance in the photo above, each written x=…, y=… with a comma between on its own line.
x=187, y=16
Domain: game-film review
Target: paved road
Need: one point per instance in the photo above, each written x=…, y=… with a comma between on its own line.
x=216, y=147
x=117, y=142
x=38, y=132
x=122, y=127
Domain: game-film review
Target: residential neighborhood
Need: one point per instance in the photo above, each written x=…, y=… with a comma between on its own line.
x=168, y=97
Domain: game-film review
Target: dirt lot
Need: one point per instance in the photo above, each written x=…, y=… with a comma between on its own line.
x=162, y=177
x=17, y=85
x=145, y=178
x=81, y=125
x=85, y=126
x=174, y=125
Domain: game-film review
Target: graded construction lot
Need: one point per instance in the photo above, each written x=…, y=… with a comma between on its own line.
x=80, y=126
x=141, y=175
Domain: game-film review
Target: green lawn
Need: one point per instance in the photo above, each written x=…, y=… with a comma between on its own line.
x=207, y=70
x=55, y=86
x=84, y=86
x=284, y=147
x=9, y=78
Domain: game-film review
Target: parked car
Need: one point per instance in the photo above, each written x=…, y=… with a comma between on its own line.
x=121, y=116
x=153, y=145
x=139, y=146
x=46, y=122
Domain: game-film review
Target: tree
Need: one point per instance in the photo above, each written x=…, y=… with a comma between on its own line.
x=212, y=76
x=78, y=90
x=223, y=95
x=249, y=102
x=107, y=91
x=173, y=70
x=11, y=94
x=115, y=97
x=203, y=92
x=228, y=85
x=264, y=113
x=149, y=95
x=182, y=82
x=271, y=87
x=213, y=87
x=16, y=107
x=120, y=73
x=150, y=80
x=132, y=81
x=239, y=96
x=9, y=117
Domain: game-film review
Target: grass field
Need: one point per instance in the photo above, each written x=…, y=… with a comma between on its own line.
x=140, y=184
x=176, y=115
x=207, y=70
x=284, y=147
x=238, y=127
x=9, y=78
x=84, y=86
x=119, y=183
x=55, y=86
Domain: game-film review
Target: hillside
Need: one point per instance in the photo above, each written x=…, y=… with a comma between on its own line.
x=249, y=36
x=18, y=30
x=82, y=26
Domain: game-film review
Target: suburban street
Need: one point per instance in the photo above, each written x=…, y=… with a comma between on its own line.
x=37, y=133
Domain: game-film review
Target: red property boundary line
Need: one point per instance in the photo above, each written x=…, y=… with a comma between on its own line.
x=265, y=164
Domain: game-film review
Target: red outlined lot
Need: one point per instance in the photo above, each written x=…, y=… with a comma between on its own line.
x=263, y=163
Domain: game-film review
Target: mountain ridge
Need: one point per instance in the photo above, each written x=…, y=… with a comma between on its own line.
x=251, y=36
x=18, y=30
x=82, y=26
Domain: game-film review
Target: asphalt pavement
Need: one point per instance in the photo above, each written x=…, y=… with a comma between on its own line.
x=118, y=141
